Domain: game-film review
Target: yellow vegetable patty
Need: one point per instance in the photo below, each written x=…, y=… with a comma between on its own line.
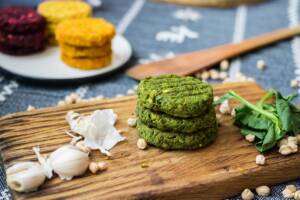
x=89, y=52
x=87, y=32
x=87, y=63
x=56, y=11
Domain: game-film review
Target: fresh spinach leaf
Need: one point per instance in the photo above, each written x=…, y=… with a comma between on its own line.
x=269, y=122
x=247, y=117
x=258, y=133
x=288, y=114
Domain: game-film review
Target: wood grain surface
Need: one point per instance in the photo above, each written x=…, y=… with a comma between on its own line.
x=220, y=170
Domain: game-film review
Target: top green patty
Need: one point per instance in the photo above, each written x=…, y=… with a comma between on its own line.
x=177, y=96
x=166, y=122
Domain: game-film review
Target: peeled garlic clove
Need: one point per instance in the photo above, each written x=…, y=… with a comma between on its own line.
x=25, y=176
x=68, y=161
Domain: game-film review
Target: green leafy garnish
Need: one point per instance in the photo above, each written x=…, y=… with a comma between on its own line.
x=269, y=122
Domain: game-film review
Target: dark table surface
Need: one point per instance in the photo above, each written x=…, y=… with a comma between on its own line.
x=141, y=21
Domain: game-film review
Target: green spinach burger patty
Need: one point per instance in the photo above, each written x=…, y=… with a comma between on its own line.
x=174, y=140
x=166, y=122
x=174, y=95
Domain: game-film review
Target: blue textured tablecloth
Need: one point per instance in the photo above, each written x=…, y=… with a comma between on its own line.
x=145, y=24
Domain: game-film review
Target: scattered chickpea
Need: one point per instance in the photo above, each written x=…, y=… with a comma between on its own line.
x=141, y=143
x=216, y=98
x=289, y=191
x=294, y=147
x=260, y=159
x=61, y=103
x=250, y=138
x=30, y=108
x=205, y=76
x=198, y=75
x=72, y=98
x=239, y=75
x=294, y=83
x=233, y=112
x=260, y=64
x=250, y=79
x=263, y=191
x=81, y=100
x=102, y=166
x=80, y=145
x=99, y=97
x=225, y=108
x=247, y=195
x=119, y=95
x=69, y=100
x=131, y=121
x=135, y=87
x=93, y=167
x=281, y=142
x=292, y=140
x=297, y=195
x=92, y=99
x=224, y=65
x=227, y=80
x=288, y=145
x=130, y=92
x=242, y=78
x=223, y=75
x=285, y=150
x=214, y=74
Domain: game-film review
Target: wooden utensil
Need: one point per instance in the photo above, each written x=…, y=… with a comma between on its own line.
x=219, y=171
x=189, y=63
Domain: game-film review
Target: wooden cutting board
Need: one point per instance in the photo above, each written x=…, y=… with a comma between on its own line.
x=221, y=170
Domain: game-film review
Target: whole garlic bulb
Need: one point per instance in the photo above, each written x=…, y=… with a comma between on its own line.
x=68, y=161
x=25, y=176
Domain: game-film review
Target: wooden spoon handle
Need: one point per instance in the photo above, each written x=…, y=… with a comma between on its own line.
x=189, y=63
x=263, y=40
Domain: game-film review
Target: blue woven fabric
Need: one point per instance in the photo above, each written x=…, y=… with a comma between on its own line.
x=215, y=27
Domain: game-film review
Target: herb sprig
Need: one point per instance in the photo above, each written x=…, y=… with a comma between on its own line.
x=269, y=122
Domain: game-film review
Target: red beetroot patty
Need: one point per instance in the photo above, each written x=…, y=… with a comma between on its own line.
x=20, y=19
x=13, y=50
x=23, y=40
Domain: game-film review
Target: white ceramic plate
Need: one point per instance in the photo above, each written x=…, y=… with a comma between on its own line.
x=47, y=65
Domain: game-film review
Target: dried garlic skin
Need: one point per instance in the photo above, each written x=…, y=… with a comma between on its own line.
x=97, y=129
x=25, y=176
x=68, y=161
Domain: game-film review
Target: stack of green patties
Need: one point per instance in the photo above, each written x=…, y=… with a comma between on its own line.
x=176, y=112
